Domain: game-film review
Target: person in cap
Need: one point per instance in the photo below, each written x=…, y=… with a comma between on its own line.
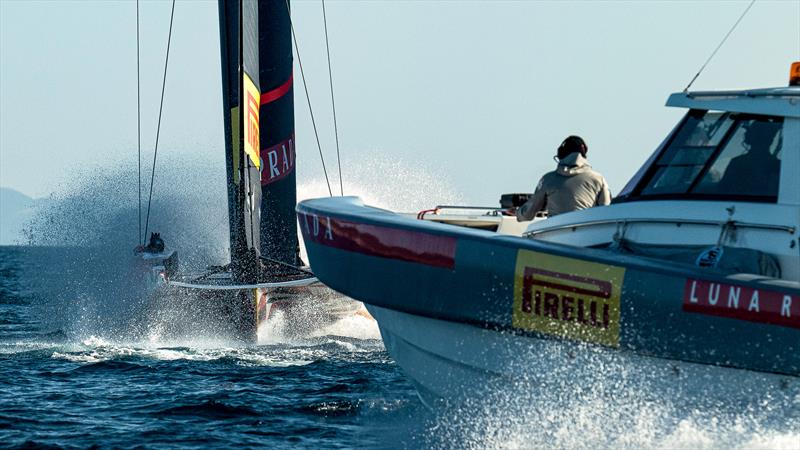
x=573, y=186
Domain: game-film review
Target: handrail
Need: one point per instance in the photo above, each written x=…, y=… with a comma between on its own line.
x=491, y=211
x=678, y=222
x=493, y=208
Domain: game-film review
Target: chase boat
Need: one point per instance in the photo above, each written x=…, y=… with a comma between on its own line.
x=691, y=275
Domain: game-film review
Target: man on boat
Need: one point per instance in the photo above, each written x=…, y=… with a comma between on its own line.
x=574, y=185
x=757, y=170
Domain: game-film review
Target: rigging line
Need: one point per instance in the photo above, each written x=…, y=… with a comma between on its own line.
x=686, y=89
x=308, y=98
x=333, y=101
x=139, y=122
x=158, y=127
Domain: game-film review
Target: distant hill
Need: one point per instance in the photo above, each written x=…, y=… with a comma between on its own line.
x=16, y=209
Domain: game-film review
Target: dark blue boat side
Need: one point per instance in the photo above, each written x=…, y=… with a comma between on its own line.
x=552, y=291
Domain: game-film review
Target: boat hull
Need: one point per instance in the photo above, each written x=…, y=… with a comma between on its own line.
x=552, y=292
x=454, y=363
x=238, y=314
x=304, y=309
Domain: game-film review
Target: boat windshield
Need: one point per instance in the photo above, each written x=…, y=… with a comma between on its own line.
x=719, y=155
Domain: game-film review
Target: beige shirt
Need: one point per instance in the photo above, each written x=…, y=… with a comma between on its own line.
x=571, y=187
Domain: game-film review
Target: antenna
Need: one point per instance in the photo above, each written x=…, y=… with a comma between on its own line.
x=686, y=89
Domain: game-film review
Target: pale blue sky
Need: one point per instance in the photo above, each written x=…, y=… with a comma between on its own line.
x=480, y=92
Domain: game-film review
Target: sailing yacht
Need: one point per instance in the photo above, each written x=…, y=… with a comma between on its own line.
x=266, y=274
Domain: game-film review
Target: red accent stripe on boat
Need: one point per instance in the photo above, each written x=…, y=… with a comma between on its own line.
x=278, y=92
x=404, y=245
x=742, y=303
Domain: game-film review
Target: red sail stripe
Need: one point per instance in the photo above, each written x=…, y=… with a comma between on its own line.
x=392, y=243
x=277, y=161
x=278, y=92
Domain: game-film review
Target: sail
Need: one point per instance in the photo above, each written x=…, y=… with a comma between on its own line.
x=258, y=104
x=241, y=109
x=278, y=181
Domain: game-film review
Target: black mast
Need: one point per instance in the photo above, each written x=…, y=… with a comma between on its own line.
x=241, y=98
x=258, y=103
x=229, y=56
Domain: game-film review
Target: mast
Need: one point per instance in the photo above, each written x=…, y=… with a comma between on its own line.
x=239, y=50
x=258, y=104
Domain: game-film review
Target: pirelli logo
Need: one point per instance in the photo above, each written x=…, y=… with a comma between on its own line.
x=567, y=297
x=252, y=98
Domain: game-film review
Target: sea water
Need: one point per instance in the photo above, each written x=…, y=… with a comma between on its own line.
x=68, y=382
x=84, y=363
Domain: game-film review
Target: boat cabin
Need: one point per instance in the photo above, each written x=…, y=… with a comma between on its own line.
x=729, y=146
x=723, y=190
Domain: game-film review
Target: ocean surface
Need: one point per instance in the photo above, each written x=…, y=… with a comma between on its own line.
x=81, y=367
x=75, y=376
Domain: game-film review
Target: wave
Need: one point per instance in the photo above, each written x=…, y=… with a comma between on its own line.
x=210, y=409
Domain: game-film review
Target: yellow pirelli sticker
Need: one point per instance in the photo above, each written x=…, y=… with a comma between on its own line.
x=251, y=102
x=571, y=298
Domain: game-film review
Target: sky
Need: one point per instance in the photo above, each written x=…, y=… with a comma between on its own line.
x=476, y=93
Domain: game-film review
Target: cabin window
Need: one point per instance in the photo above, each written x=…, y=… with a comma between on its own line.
x=749, y=164
x=716, y=155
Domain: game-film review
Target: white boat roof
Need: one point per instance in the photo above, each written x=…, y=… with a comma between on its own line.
x=780, y=101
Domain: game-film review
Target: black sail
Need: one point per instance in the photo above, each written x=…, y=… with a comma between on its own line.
x=278, y=180
x=256, y=52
